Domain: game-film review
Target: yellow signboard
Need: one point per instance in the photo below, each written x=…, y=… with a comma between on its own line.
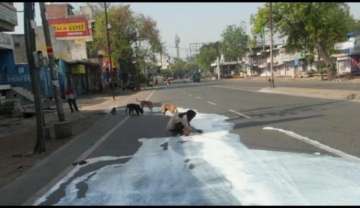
x=70, y=27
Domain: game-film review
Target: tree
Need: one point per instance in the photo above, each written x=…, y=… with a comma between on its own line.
x=207, y=55
x=178, y=68
x=308, y=26
x=257, y=38
x=134, y=37
x=234, y=42
x=355, y=26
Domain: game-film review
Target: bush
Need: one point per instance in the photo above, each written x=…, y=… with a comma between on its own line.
x=7, y=108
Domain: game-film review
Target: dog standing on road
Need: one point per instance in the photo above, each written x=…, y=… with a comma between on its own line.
x=169, y=107
x=133, y=108
x=146, y=103
x=113, y=111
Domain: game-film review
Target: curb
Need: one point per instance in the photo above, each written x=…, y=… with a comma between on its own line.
x=353, y=96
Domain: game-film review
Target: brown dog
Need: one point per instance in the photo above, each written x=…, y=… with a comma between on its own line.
x=146, y=103
x=169, y=107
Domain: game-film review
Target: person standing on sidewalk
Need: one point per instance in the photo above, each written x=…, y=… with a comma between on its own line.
x=71, y=98
x=113, y=87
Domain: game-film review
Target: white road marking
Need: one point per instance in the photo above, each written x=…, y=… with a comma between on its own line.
x=102, y=140
x=149, y=96
x=211, y=103
x=240, y=114
x=71, y=169
x=198, y=98
x=315, y=143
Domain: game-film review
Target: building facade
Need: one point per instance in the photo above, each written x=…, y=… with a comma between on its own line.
x=8, y=17
x=347, y=55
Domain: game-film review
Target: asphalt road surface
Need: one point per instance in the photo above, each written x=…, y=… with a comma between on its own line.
x=257, y=148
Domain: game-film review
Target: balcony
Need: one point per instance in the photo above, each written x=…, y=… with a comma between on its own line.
x=8, y=17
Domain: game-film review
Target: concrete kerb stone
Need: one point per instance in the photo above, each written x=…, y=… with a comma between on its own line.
x=315, y=93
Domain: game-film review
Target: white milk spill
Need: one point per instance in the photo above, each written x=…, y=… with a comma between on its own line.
x=215, y=168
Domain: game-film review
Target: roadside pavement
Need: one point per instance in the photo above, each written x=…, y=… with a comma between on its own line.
x=333, y=94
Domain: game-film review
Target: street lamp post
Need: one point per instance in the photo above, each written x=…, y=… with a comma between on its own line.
x=271, y=48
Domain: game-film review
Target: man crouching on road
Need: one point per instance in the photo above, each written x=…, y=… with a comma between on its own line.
x=180, y=123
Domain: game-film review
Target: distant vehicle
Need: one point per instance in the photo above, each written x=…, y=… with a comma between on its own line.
x=196, y=77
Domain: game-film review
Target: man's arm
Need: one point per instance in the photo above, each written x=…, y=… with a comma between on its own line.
x=185, y=122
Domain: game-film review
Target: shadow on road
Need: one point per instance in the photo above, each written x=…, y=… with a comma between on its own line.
x=273, y=121
x=295, y=110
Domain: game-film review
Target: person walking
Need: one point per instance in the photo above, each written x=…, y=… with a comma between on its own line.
x=71, y=98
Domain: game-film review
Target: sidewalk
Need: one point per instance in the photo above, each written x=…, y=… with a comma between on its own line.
x=333, y=94
x=298, y=79
x=16, y=146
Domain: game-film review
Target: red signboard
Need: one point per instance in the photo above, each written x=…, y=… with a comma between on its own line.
x=70, y=27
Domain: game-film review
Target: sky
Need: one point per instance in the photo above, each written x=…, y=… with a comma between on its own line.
x=192, y=22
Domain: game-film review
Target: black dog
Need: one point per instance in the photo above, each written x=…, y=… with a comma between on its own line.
x=131, y=107
x=113, y=111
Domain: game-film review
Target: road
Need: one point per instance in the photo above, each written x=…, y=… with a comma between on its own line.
x=256, y=149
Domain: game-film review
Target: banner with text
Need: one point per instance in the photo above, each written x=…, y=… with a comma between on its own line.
x=70, y=28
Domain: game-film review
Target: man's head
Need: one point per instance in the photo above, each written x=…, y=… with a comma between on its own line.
x=190, y=114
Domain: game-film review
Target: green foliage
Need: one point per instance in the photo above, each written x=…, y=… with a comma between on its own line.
x=166, y=73
x=131, y=35
x=182, y=69
x=234, y=42
x=207, y=55
x=355, y=26
x=307, y=26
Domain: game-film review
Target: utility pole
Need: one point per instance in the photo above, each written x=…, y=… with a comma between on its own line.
x=190, y=50
x=218, y=61
x=271, y=48
x=108, y=36
x=177, y=42
x=53, y=73
x=29, y=25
